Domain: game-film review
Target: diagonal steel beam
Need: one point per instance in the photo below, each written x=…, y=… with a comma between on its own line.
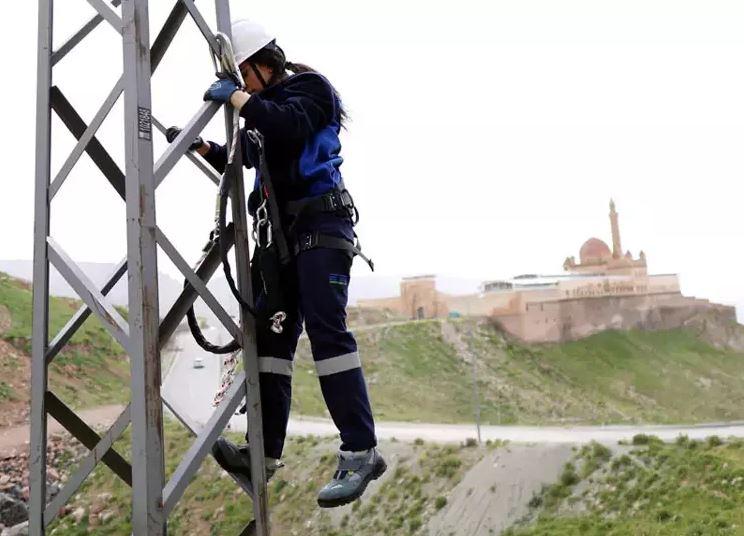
x=188, y=295
x=171, y=320
x=111, y=16
x=81, y=34
x=165, y=37
x=86, y=137
x=180, y=145
x=195, y=157
x=198, y=284
x=192, y=460
x=77, y=125
x=88, y=292
x=202, y=25
x=86, y=466
x=87, y=436
x=95, y=150
x=82, y=314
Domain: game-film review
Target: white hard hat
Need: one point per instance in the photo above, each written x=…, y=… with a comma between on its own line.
x=248, y=38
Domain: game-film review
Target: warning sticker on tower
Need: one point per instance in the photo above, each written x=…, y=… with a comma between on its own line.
x=144, y=123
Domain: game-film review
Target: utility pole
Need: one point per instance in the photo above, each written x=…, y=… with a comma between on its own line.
x=143, y=333
x=476, y=394
x=476, y=398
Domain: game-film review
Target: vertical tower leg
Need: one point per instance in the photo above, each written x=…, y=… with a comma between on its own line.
x=250, y=358
x=147, y=416
x=37, y=455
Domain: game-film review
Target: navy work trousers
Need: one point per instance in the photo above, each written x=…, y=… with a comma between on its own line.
x=315, y=288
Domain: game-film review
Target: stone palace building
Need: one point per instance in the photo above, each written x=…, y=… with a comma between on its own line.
x=606, y=289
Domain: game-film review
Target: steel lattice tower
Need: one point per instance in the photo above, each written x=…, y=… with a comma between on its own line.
x=143, y=333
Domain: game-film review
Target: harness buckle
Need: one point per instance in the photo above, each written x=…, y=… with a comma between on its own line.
x=346, y=199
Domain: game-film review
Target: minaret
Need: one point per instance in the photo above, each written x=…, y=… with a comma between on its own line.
x=617, y=249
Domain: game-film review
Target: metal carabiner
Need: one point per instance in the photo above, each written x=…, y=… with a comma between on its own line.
x=269, y=235
x=276, y=321
x=262, y=219
x=256, y=138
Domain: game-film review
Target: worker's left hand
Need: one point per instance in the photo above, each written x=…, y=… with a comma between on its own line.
x=221, y=90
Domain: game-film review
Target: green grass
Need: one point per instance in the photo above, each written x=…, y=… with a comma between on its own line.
x=405, y=499
x=6, y=392
x=622, y=377
x=666, y=376
x=687, y=488
x=91, y=370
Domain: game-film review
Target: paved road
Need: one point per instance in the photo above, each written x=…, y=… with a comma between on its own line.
x=455, y=433
x=191, y=391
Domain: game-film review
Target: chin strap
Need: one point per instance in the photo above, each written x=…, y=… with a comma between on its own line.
x=258, y=74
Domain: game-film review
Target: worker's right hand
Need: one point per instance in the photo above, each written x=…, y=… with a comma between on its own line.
x=173, y=132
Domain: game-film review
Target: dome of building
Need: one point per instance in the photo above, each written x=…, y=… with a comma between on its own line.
x=593, y=251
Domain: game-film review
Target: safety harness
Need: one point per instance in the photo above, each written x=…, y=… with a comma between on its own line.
x=273, y=249
x=337, y=201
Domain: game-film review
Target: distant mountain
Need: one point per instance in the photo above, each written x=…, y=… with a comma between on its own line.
x=363, y=287
x=99, y=273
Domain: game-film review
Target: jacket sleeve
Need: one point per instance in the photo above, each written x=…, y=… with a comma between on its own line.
x=217, y=154
x=308, y=107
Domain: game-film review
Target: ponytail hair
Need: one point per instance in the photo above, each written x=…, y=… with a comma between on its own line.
x=272, y=56
x=299, y=68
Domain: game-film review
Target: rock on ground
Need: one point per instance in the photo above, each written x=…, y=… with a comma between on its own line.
x=12, y=510
x=19, y=530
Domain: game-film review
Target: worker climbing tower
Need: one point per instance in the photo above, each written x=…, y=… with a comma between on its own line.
x=146, y=329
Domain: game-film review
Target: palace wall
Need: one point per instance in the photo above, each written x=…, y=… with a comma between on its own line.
x=572, y=319
x=570, y=310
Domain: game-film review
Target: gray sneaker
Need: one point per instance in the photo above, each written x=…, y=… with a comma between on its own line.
x=354, y=472
x=236, y=460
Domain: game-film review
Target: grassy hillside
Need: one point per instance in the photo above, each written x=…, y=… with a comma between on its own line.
x=422, y=371
x=413, y=489
x=688, y=488
x=91, y=370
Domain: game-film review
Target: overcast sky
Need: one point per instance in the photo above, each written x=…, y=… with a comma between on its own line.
x=487, y=138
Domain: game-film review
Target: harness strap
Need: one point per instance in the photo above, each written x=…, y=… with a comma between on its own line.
x=314, y=240
x=329, y=202
x=333, y=201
